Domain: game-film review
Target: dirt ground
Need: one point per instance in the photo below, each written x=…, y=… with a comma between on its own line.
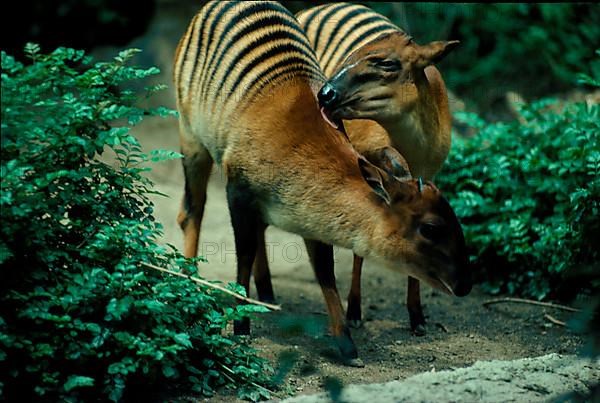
x=460, y=331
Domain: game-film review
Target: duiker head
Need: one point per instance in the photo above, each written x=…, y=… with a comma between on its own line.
x=380, y=80
x=422, y=234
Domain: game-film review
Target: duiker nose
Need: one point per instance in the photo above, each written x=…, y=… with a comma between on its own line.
x=327, y=95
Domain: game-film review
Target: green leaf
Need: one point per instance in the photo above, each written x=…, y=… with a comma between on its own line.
x=118, y=307
x=170, y=372
x=78, y=381
x=183, y=339
x=164, y=155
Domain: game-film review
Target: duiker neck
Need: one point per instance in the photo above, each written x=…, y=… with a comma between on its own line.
x=419, y=134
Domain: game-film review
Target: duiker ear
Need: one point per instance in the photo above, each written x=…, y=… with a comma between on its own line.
x=434, y=52
x=392, y=162
x=373, y=176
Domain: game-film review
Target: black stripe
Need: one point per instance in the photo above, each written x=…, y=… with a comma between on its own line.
x=277, y=49
x=269, y=38
x=324, y=19
x=311, y=17
x=297, y=70
x=342, y=22
x=211, y=31
x=272, y=20
x=348, y=49
x=294, y=63
x=184, y=56
x=365, y=77
x=221, y=48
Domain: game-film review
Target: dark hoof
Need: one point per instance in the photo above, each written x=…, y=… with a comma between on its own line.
x=419, y=330
x=355, y=323
x=354, y=362
x=241, y=327
x=354, y=314
x=265, y=292
x=417, y=322
x=347, y=348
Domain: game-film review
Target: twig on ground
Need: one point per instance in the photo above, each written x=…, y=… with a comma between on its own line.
x=554, y=320
x=215, y=286
x=226, y=368
x=531, y=302
x=441, y=326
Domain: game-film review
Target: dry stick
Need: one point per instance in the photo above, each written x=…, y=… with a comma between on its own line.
x=531, y=302
x=225, y=367
x=215, y=286
x=554, y=320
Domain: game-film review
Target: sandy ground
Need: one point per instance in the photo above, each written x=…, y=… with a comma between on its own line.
x=460, y=331
x=549, y=378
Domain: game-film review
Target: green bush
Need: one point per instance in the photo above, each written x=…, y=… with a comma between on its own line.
x=82, y=316
x=528, y=194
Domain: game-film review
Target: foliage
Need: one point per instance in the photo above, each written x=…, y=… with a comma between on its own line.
x=534, y=49
x=528, y=193
x=82, y=318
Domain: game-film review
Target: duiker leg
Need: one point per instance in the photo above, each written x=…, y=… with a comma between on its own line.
x=197, y=164
x=245, y=222
x=260, y=270
x=321, y=257
x=413, y=304
x=354, y=311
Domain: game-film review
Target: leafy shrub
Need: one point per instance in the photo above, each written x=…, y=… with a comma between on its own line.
x=528, y=193
x=81, y=317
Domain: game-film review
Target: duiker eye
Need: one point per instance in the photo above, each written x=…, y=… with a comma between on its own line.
x=388, y=64
x=432, y=232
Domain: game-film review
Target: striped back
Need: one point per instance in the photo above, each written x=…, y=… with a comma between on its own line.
x=232, y=50
x=338, y=29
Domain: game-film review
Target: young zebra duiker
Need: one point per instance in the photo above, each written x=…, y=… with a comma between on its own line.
x=377, y=72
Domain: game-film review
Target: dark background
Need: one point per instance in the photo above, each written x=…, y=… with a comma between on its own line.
x=532, y=49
